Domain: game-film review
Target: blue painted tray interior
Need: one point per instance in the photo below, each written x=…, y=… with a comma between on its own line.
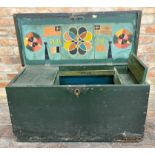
x=78, y=80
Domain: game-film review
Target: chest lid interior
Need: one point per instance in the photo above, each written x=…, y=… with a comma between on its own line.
x=85, y=38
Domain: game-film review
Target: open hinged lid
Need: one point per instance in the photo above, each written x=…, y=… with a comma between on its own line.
x=83, y=38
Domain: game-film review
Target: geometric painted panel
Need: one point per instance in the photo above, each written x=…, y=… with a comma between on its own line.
x=103, y=33
x=77, y=40
x=33, y=42
x=122, y=38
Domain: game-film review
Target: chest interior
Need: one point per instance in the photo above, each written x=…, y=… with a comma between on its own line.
x=76, y=49
x=132, y=73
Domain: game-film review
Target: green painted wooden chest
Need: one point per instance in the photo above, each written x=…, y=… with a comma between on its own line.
x=82, y=80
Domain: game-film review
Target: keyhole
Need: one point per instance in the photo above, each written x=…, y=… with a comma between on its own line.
x=77, y=92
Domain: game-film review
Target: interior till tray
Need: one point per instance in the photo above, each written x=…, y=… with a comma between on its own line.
x=48, y=76
x=77, y=80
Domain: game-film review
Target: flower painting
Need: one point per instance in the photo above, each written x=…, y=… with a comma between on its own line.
x=77, y=41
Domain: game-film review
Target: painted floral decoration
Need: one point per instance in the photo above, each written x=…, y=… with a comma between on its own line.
x=122, y=38
x=33, y=42
x=77, y=40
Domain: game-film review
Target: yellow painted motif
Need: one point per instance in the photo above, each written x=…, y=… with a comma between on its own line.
x=67, y=45
x=25, y=41
x=88, y=36
x=55, y=41
x=118, y=33
x=99, y=40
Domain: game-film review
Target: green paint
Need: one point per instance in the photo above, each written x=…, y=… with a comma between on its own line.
x=35, y=23
x=42, y=109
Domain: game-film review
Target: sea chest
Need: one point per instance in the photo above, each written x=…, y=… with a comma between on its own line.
x=82, y=80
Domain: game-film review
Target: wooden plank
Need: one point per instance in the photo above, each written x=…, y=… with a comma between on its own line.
x=37, y=75
x=137, y=68
x=116, y=77
x=87, y=72
x=44, y=116
x=105, y=18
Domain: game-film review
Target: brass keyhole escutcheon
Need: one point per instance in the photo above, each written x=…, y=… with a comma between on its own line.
x=77, y=92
